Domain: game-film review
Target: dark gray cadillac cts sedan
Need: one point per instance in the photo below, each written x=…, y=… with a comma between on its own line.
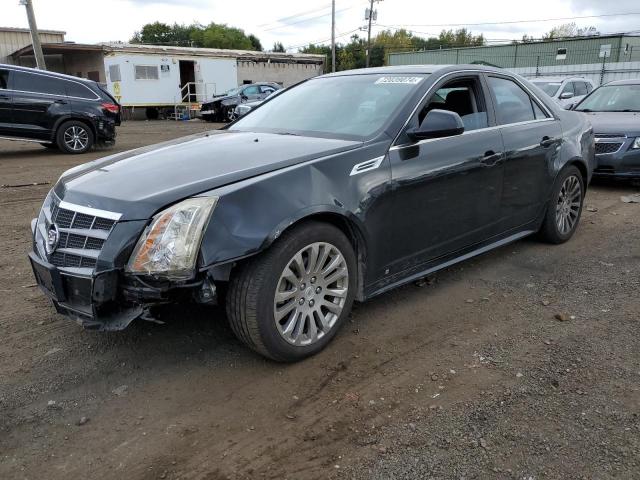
x=339, y=189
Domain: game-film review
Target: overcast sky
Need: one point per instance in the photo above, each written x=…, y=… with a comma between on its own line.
x=296, y=23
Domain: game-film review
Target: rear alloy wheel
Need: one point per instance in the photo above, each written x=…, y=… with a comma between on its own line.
x=74, y=137
x=565, y=207
x=289, y=302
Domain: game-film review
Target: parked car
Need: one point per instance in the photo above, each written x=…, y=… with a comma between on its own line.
x=244, y=108
x=614, y=111
x=565, y=91
x=339, y=189
x=58, y=111
x=222, y=107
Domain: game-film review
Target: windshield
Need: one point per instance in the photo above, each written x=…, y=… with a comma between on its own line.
x=550, y=88
x=612, y=98
x=351, y=107
x=234, y=91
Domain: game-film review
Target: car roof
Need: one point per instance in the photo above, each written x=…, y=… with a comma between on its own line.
x=47, y=72
x=630, y=81
x=417, y=70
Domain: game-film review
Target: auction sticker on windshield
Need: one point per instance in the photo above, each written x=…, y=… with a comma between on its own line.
x=407, y=80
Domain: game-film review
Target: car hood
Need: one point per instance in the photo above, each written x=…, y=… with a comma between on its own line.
x=219, y=98
x=625, y=123
x=139, y=182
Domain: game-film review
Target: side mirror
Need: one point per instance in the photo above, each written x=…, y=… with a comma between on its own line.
x=438, y=124
x=566, y=95
x=244, y=97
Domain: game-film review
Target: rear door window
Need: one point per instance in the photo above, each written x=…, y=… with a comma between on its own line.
x=78, y=90
x=36, y=83
x=513, y=104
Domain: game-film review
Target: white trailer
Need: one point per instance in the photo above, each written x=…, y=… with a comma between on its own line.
x=155, y=81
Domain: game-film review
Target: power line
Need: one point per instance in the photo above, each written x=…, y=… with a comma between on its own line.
x=278, y=27
x=320, y=42
x=285, y=24
x=296, y=15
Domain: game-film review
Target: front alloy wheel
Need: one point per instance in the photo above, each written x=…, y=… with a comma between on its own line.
x=288, y=302
x=311, y=293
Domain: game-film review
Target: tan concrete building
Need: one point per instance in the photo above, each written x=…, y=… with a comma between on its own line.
x=12, y=39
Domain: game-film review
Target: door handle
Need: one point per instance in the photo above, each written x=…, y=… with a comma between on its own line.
x=491, y=158
x=61, y=102
x=548, y=141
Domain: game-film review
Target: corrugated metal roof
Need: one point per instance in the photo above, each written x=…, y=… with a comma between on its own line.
x=26, y=30
x=146, y=48
x=109, y=47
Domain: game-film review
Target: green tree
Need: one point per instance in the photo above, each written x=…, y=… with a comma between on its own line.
x=567, y=30
x=278, y=47
x=210, y=36
x=255, y=43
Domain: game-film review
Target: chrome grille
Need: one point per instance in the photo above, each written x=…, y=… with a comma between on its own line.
x=82, y=234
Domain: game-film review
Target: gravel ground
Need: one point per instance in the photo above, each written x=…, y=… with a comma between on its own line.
x=523, y=363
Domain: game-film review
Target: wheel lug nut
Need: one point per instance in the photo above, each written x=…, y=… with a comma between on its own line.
x=311, y=303
x=318, y=289
x=302, y=287
x=301, y=301
x=313, y=279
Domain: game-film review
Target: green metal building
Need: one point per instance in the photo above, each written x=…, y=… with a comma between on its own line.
x=575, y=51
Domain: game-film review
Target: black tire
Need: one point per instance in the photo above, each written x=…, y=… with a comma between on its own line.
x=62, y=137
x=550, y=230
x=152, y=113
x=250, y=297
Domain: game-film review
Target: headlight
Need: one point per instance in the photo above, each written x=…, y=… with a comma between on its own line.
x=169, y=246
x=636, y=143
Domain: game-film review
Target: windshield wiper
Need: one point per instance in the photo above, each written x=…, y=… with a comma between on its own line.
x=625, y=110
x=288, y=133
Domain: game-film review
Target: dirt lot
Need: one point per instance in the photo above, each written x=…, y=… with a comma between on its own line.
x=468, y=375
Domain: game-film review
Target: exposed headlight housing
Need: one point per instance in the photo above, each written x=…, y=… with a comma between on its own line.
x=636, y=144
x=168, y=248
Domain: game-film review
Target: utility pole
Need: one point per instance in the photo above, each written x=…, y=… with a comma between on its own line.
x=333, y=35
x=35, y=38
x=371, y=15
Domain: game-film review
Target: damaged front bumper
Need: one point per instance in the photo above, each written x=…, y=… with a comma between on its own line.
x=109, y=301
x=100, y=296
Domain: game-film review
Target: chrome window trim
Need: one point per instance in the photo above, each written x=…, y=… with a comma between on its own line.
x=52, y=94
x=96, y=212
x=55, y=94
x=498, y=74
x=471, y=132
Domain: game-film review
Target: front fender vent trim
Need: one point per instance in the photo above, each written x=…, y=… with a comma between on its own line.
x=366, y=166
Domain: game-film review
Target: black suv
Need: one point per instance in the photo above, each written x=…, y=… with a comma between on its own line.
x=58, y=111
x=222, y=107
